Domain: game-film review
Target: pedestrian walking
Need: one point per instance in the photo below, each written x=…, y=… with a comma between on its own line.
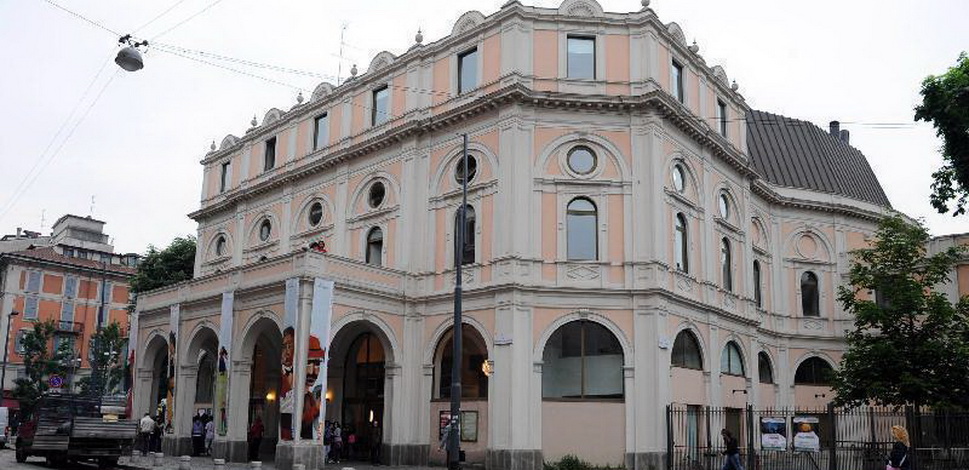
x=209, y=434
x=255, y=438
x=156, y=435
x=376, y=439
x=732, y=452
x=898, y=459
x=198, y=436
x=146, y=426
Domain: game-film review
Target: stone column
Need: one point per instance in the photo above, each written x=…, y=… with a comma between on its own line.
x=240, y=375
x=652, y=390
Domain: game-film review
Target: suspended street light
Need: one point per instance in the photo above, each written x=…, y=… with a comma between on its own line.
x=129, y=58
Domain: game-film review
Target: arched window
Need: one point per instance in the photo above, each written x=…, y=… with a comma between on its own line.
x=205, y=381
x=474, y=382
x=375, y=246
x=809, y=294
x=758, y=299
x=732, y=360
x=764, y=369
x=583, y=240
x=265, y=230
x=686, y=351
x=468, y=249
x=315, y=214
x=725, y=262
x=813, y=371
x=220, y=246
x=681, y=244
x=582, y=359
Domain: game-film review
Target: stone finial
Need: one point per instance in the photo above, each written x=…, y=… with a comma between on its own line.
x=353, y=70
x=694, y=48
x=254, y=122
x=419, y=37
x=212, y=147
x=644, y=3
x=734, y=86
x=299, y=97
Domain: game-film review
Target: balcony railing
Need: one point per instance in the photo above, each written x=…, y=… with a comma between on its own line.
x=70, y=327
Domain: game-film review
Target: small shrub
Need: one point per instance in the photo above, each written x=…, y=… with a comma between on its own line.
x=572, y=462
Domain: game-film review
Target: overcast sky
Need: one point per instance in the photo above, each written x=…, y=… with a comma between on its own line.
x=137, y=150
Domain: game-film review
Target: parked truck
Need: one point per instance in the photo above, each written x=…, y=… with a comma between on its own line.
x=68, y=428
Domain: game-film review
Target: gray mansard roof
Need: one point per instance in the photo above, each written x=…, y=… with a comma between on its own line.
x=793, y=153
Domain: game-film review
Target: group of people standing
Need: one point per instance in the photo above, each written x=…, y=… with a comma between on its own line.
x=150, y=432
x=203, y=433
x=343, y=442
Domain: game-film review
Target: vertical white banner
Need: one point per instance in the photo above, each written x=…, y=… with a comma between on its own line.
x=314, y=401
x=130, y=373
x=287, y=390
x=173, y=324
x=224, y=363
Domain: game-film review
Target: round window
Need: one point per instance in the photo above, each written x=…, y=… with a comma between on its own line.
x=377, y=192
x=472, y=169
x=679, y=178
x=220, y=246
x=582, y=160
x=316, y=214
x=724, y=206
x=265, y=229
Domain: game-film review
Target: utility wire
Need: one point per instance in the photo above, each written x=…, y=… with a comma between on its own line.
x=84, y=18
x=186, y=20
x=50, y=158
x=163, y=13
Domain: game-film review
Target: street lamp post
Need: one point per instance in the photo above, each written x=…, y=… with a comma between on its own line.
x=6, y=352
x=454, y=446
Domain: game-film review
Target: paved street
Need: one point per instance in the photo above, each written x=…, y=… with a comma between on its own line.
x=137, y=462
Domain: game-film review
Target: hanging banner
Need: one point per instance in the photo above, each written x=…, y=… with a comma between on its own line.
x=773, y=433
x=806, y=434
x=314, y=401
x=222, y=373
x=173, y=324
x=287, y=402
x=130, y=366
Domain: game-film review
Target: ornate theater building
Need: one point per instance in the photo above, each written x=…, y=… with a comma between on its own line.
x=639, y=237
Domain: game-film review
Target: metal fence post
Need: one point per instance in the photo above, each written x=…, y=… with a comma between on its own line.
x=750, y=437
x=669, y=437
x=833, y=419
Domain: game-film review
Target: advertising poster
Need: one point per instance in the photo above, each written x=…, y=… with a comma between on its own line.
x=314, y=391
x=773, y=433
x=130, y=365
x=173, y=322
x=806, y=434
x=287, y=400
x=223, y=366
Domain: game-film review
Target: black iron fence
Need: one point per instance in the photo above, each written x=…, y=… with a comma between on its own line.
x=826, y=439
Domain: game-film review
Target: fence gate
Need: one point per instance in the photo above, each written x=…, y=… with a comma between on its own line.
x=826, y=439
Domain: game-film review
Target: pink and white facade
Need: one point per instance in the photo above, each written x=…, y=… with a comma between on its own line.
x=628, y=253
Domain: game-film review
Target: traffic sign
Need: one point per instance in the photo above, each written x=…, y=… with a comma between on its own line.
x=55, y=381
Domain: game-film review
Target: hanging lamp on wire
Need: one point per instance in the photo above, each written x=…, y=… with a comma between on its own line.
x=129, y=57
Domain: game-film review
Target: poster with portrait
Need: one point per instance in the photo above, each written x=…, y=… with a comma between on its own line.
x=223, y=365
x=287, y=397
x=806, y=434
x=173, y=323
x=314, y=392
x=773, y=433
x=130, y=364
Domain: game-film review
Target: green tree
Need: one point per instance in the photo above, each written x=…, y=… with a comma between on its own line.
x=108, y=353
x=41, y=361
x=910, y=344
x=945, y=103
x=160, y=268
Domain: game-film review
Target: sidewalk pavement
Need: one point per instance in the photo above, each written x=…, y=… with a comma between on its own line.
x=138, y=462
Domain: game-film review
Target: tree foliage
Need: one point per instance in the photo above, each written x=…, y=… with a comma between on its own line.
x=945, y=103
x=41, y=361
x=108, y=354
x=160, y=268
x=910, y=344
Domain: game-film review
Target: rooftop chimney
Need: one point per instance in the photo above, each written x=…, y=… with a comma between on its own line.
x=19, y=229
x=834, y=127
x=844, y=135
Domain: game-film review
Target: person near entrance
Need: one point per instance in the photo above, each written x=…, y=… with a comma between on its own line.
x=255, y=438
x=376, y=439
x=198, y=436
x=732, y=452
x=146, y=426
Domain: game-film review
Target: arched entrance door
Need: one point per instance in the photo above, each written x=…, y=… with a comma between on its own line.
x=262, y=350
x=156, y=364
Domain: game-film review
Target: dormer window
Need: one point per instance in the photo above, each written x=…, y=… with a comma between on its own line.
x=379, y=110
x=676, y=81
x=722, y=117
x=581, y=57
x=468, y=71
x=269, y=158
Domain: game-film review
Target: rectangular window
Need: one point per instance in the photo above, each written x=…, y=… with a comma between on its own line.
x=30, y=308
x=70, y=287
x=33, y=281
x=321, y=131
x=468, y=71
x=677, y=81
x=269, y=162
x=69, y=252
x=67, y=315
x=19, y=341
x=722, y=117
x=582, y=58
x=224, y=177
x=379, y=110
x=108, y=292
x=64, y=343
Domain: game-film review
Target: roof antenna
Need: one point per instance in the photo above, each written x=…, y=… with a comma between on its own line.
x=43, y=219
x=91, y=212
x=339, y=67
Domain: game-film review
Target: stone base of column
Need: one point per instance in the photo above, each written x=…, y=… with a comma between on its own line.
x=405, y=454
x=231, y=451
x=176, y=445
x=308, y=453
x=646, y=461
x=513, y=459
